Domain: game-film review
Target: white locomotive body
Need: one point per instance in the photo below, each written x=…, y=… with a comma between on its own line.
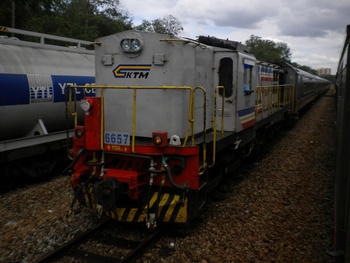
x=172, y=117
x=176, y=63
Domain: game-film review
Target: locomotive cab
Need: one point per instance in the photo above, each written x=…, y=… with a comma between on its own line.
x=141, y=144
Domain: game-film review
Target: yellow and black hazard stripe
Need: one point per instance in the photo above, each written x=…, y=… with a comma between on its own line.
x=4, y=29
x=170, y=208
x=88, y=196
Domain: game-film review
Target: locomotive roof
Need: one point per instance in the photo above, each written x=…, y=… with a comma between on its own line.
x=217, y=42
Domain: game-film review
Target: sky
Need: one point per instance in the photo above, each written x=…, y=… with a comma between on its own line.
x=314, y=30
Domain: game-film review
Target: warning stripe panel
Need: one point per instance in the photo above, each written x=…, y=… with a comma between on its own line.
x=171, y=208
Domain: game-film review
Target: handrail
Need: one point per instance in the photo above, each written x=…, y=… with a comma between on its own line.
x=135, y=88
x=191, y=113
x=204, y=125
x=69, y=106
x=183, y=40
x=43, y=36
x=102, y=124
x=222, y=120
x=275, y=99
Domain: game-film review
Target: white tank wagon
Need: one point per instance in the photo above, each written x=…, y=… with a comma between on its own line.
x=33, y=78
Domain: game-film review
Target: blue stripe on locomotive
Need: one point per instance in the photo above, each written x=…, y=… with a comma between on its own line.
x=15, y=89
x=246, y=111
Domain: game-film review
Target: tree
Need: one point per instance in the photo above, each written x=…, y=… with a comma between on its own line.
x=331, y=78
x=81, y=19
x=166, y=25
x=19, y=13
x=305, y=68
x=268, y=50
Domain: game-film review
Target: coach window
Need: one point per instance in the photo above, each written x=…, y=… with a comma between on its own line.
x=226, y=76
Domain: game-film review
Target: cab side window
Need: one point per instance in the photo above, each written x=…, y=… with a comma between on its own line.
x=226, y=76
x=247, y=77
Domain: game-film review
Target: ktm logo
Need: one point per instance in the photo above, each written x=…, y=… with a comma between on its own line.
x=125, y=71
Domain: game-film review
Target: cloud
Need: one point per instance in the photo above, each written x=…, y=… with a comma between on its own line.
x=313, y=29
x=223, y=13
x=313, y=18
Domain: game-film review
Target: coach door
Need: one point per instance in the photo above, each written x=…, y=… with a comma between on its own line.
x=225, y=68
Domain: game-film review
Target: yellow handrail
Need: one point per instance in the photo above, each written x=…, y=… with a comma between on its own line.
x=134, y=112
x=73, y=88
x=69, y=106
x=133, y=125
x=204, y=125
x=275, y=99
x=102, y=117
x=214, y=120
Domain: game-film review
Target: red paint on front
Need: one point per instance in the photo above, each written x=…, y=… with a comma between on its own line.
x=93, y=125
x=131, y=167
x=248, y=124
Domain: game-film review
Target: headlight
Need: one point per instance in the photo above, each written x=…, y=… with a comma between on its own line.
x=125, y=45
x=136, y=45
x=131, y=45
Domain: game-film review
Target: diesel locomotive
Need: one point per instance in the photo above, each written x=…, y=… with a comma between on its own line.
x=171, y=117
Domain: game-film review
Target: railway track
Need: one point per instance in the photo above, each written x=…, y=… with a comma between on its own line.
x=108, y=241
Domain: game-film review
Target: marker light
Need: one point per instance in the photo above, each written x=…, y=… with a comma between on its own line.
x=131, y=45
x=160, y=139
x=86, y=104
x=157, y=140
x=79, y=133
